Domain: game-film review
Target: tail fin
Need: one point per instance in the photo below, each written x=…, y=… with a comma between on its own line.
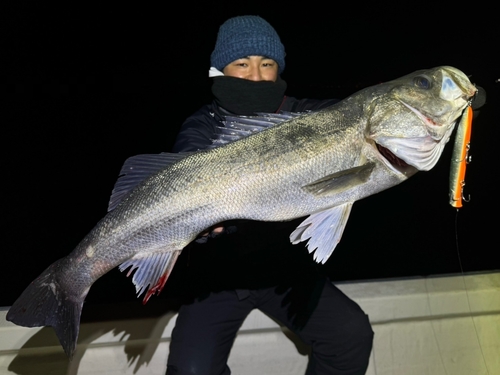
x=45, y=303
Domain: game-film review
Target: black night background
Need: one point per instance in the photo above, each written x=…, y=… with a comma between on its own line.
x=88, y=86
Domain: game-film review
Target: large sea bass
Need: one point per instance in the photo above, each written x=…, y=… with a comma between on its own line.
x=316, y=164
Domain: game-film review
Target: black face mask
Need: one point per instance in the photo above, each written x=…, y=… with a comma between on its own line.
x=245, y=97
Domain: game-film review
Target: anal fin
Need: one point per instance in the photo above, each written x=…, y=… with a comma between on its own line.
x=151, y=271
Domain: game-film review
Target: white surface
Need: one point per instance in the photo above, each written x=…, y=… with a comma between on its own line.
x=422, y=326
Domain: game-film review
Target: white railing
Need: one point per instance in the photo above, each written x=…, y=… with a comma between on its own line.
x=446, y=325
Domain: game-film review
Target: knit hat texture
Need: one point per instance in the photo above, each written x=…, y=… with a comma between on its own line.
x=247, y=36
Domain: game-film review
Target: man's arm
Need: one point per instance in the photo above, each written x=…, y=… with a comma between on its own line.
x=196, y=132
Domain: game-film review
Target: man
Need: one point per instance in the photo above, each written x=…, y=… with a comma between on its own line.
x=257, y=267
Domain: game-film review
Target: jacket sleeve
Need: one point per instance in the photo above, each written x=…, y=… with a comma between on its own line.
x=196, y=132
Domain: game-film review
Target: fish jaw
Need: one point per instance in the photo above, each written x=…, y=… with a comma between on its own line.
x=456, y=84
x=422, y=109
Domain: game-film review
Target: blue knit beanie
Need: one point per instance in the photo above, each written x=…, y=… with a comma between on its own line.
x=247, y=36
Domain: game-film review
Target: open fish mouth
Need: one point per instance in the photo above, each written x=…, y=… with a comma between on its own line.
x=397, y=163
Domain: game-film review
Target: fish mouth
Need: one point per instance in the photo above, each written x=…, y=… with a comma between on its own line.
x=396, y=162
x=393, y=161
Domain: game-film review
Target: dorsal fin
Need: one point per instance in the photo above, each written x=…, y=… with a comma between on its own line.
x=136, y=169
x=237, y=127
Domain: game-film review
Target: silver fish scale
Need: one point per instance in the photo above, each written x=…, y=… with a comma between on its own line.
x=205, y=182
x=271, y=167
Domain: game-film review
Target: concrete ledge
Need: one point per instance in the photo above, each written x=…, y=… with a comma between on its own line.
x=435, y=325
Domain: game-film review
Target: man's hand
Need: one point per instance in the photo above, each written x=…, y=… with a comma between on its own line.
x=212, y=232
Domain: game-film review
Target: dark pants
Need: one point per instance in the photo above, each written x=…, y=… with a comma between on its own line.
x=335, y=327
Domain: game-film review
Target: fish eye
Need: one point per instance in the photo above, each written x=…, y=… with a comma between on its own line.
x=422, y=82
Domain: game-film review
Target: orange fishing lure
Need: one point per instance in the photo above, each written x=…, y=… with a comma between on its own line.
x=460, y=158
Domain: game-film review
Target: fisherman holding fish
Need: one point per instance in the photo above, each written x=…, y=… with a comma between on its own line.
x=314, y=165
x=260, y=272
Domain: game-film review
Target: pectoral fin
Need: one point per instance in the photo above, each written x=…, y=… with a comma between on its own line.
x=324, y=229
x=152, y=271
x=341, y=181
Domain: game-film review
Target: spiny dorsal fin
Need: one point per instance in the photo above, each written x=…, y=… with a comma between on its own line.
x=237, y=127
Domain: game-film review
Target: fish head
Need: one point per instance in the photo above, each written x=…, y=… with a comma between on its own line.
x=412, y=117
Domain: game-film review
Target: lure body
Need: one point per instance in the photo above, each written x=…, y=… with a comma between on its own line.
x=460, y=158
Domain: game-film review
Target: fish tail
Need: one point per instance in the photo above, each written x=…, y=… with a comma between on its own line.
x=46, y=303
